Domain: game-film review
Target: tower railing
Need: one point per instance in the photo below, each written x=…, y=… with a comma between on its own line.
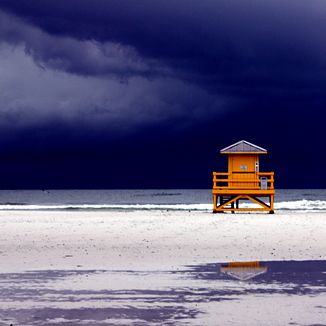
x=234, y=181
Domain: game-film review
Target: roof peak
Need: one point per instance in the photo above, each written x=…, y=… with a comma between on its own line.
x=244, y=146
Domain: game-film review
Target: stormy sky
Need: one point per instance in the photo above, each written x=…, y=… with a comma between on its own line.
x=144, y=94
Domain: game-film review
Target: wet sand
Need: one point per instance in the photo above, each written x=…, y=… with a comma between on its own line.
x=109, y=253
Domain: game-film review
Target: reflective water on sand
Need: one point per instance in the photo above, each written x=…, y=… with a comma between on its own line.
x=178, y=297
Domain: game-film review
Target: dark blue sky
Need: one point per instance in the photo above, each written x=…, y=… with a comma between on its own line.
x=144, y=94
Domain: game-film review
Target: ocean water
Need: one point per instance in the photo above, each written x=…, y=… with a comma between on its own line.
x=312, y=200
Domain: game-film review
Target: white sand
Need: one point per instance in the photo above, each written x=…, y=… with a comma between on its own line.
x=158, y=241
x=154, y=240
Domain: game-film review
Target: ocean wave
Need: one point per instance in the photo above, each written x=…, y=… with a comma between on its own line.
x=129, y=207
x=299, y=205
x=302, y=205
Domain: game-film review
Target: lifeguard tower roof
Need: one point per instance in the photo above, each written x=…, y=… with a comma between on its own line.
x=242, y=147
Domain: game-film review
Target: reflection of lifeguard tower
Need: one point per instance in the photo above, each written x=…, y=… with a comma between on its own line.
x=243, y=181
x=244, y=271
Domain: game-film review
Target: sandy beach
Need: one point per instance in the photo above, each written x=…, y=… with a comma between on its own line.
x=157, y=242
x=33, y=240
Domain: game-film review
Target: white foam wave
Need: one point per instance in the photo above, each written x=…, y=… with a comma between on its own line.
x=306, y=205
x=201, y=207
x=299, y=205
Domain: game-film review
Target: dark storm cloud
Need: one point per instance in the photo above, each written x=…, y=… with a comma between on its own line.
x=215, y=39
x=89, y=58
x=188, y=77
x=258, y=46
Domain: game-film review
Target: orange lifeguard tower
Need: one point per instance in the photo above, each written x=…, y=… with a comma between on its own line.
x=243, y=181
